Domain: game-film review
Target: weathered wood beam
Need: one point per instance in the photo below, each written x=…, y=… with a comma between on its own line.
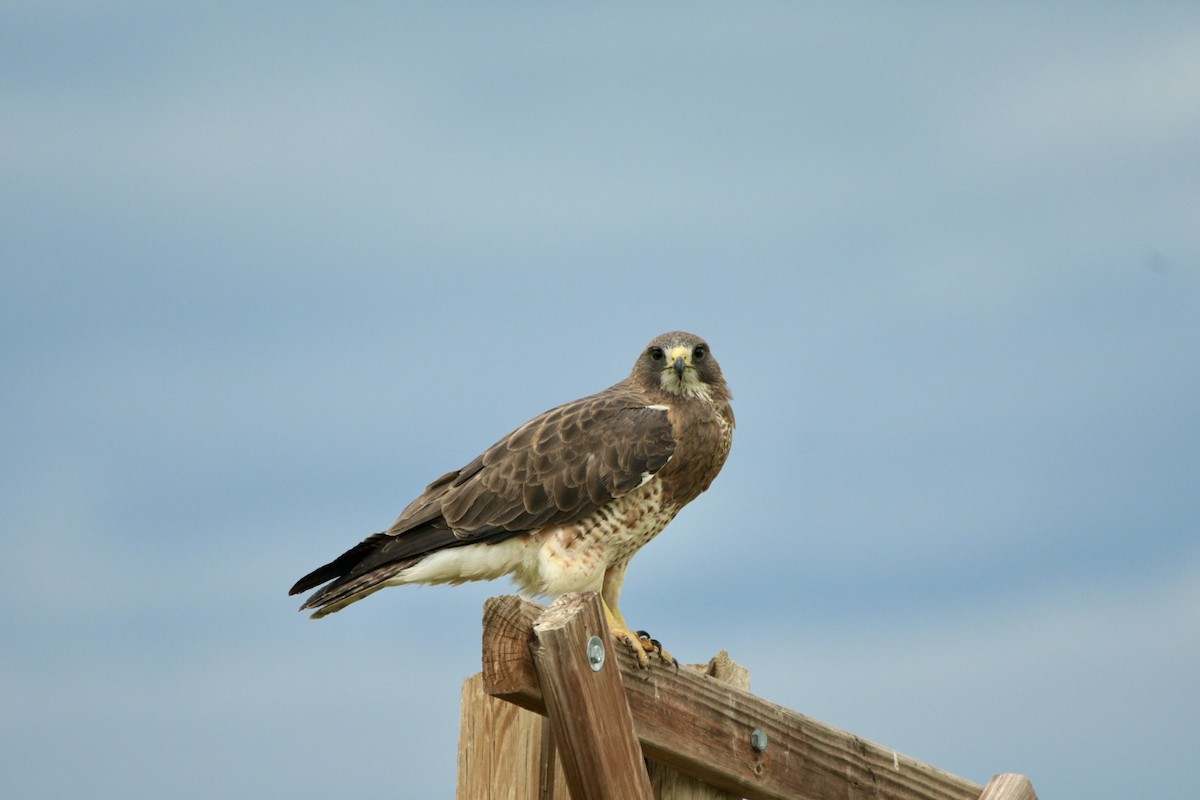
x=670, y=783
x=585, y=703
x=504, y=752
x=507, y=663
x=723, y=736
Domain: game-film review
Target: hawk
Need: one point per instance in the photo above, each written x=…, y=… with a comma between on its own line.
x=563, y=502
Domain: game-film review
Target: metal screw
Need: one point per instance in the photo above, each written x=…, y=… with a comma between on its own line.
x=758, y=740
x=595, y=653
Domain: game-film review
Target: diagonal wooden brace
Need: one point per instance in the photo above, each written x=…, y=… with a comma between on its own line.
x=585, y=702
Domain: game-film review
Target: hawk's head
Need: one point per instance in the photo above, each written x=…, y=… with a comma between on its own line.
x=680, y=363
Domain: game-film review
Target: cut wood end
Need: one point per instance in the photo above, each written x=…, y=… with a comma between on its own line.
x=562, y=611
x=726, y=670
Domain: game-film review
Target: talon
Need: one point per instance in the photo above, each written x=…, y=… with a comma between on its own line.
x=651, y=645
x=640, y=644
x=635, y=647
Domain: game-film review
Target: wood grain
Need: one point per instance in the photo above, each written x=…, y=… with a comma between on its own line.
x=671, y=784
x=507, y=664
x=1008, y=786
x=703, y=728
x=504, y=752
x=592, y=727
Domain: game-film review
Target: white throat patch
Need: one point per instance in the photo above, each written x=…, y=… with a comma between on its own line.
x=689, y=385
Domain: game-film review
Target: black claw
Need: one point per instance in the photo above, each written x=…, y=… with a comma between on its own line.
x=654, y=646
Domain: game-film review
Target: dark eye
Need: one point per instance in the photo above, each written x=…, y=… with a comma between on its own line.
x=655, y=353
x=699, y=352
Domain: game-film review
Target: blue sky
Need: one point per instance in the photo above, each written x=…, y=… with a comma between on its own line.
x=266, y=272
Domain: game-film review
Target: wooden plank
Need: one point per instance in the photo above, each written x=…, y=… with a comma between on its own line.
x=706, y=729
x=1008, y=786
x=671, y=784
x=552, y=782
x=585, y=702
x=504, y=751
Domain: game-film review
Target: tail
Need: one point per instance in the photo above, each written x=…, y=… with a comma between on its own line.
x=368, y=567
x=347, y=589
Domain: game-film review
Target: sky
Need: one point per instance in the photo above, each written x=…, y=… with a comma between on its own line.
x=266, y=271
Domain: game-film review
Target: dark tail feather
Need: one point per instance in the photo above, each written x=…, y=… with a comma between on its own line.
x=353, y=588
x=340, y=566
x=363, y=568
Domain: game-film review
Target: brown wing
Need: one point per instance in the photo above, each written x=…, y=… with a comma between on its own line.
x=558, y=467
x=554, y=469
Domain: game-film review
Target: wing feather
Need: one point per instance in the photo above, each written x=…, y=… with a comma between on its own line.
x=555, y=469
x=559, y=467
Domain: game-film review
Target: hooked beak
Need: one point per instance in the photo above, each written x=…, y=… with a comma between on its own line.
x=679, y=359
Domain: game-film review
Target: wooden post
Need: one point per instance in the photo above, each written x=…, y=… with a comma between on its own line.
x=585, y=702
x=721, y=735
x=1008, y=786
x=505, y=752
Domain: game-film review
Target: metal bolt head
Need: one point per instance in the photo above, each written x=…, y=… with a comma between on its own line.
x=758, y=740
x=595, y=653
